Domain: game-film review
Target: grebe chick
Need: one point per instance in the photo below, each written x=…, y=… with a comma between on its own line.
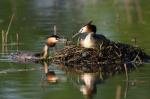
x=91, y=40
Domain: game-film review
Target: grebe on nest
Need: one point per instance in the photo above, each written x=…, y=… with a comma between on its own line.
x=91, y=40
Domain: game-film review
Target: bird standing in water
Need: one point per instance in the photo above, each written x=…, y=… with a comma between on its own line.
x=91, y=40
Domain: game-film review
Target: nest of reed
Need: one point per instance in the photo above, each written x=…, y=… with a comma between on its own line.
x=107, y=58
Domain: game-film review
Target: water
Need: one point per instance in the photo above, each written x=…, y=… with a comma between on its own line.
x=34, y=20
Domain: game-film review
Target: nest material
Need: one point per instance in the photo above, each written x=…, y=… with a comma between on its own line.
x=92, y=60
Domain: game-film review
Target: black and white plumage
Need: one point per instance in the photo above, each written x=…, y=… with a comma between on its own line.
x=91, y=40
x=26, y=57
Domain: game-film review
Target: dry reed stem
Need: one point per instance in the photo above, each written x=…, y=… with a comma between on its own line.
x=127, y=81
x=139, y=11
x=117, y=15
x=118, y=92
x=7, y=32
x=126, y=72
x=128, y=11
x=55, y=30
x=17, y=37
x=3, y=41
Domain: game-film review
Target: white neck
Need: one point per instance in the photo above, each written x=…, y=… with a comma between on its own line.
x=45, y=50
x=88, y=41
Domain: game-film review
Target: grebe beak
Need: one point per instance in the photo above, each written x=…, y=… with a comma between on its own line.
x=62, y=40
x=82, y=30
x=75, y=34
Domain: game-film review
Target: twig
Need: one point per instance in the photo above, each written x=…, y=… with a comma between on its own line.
x=137, y=57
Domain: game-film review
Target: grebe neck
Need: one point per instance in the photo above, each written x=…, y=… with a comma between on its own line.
x=45, y=51
x=88, y=42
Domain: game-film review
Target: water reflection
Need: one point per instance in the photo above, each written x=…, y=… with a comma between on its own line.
x=87, y=82
x=90, y=80
x=35, y=19
x=50, y=75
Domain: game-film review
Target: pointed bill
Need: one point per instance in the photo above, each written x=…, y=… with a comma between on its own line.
x=62, y=40
x=75, y=34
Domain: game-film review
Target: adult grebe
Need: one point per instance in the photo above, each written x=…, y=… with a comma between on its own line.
x=50, y=42
x=25, y=57
x=91, y=40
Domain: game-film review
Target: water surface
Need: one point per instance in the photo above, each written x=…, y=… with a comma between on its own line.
x=118, y=20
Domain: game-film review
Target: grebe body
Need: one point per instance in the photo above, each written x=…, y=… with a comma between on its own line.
x=91, y=40
x=33, y=57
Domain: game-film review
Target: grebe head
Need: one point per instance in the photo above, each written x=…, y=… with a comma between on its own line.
x=52, y=40
x=88, y=28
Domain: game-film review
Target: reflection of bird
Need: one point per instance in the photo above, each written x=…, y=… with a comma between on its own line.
x=89, y=86
x=31, y=57
x=91, y=40
x=51, y=77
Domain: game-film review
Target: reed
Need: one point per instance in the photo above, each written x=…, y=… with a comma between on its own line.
x=55, y=30
x=116, y=4
x=128, y=11
x=126, y=72
x=5, y=36
x=17, y=38
x=127, y=81
x=8, y=29
x=118, y=92
x=3, y=41
x=139, y=11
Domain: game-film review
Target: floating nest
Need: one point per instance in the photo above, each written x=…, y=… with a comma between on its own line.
x=111, y=57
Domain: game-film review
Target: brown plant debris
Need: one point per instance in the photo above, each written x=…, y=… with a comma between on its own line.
x=93, y=59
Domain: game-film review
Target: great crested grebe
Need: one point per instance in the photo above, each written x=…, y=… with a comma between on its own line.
x=33, y=57
x=50, y=42
x=91, y=40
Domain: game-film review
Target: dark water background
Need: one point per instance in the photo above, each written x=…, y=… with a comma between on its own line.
x=118, y=20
